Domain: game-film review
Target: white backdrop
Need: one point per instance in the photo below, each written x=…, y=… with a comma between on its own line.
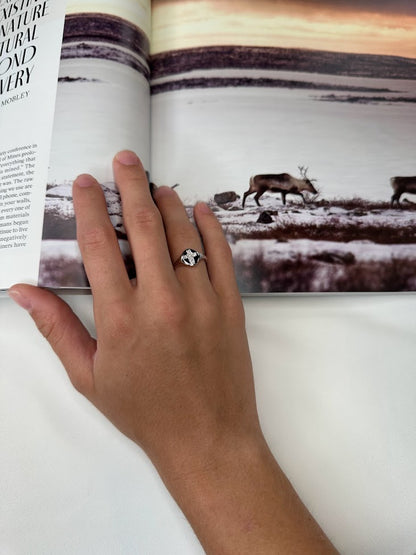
x=336, y=387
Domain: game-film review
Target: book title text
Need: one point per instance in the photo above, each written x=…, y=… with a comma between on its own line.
x=18, y=36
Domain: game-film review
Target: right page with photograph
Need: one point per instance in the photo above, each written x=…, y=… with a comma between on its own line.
x=295, y=121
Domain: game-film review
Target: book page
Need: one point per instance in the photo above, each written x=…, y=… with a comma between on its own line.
x=102, y=106
x=304, y=112
x=30, y=42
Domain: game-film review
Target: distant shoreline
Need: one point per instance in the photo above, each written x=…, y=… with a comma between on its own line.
x=105, y=28
x=215, y=82
x=105, y=37
x=283, y=59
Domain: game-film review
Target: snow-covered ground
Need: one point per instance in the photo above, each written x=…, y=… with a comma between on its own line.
x=337, y=238
x=362, y=251
x=279, y=256
x=236, y=220
x=58, y=203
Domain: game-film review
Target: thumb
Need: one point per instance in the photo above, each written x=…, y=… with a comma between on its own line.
x=63, y=330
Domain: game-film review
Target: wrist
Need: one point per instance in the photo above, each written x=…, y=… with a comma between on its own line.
x=210, y=461
x=238, y=500
x=219, y=493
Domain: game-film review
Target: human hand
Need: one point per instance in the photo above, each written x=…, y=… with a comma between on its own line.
x=170, y=366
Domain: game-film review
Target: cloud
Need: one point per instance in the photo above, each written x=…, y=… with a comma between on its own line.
x=397, y=7
x=337, y=25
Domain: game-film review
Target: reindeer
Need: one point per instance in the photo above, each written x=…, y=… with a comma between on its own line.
x=402, y=185
x=282, y=183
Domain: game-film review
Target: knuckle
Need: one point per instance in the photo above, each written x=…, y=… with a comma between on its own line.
x=119, y=321
x=146, y=217
x=95, y=239
x=186, y=231
x=50, y=327
x=209, y=314
x=80, y=383
x=174, y=313
x=45, y=326
x=170, y=311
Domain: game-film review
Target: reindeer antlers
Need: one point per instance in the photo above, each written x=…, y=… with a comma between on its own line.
x=303, y=171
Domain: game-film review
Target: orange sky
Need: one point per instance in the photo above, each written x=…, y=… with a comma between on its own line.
x=318, y=25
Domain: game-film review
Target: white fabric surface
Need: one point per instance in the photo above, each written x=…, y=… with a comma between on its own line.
x=336, y=387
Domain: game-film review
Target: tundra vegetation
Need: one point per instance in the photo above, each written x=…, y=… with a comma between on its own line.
x=336, y=245
x=332, y=245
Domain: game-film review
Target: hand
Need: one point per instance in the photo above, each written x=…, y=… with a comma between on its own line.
x=171, y=366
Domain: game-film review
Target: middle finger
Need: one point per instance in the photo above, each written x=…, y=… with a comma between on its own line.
x=143, y=222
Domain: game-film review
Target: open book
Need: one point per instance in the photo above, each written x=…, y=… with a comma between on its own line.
x=295, y=121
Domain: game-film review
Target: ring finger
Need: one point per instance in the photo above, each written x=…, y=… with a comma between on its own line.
x=181, y=235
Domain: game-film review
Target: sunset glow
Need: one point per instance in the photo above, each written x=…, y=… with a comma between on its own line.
x=183, y=24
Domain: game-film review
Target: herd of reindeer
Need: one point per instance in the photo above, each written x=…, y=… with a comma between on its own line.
x=286, y=184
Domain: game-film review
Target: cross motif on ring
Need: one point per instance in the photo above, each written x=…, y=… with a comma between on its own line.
x=190, y=257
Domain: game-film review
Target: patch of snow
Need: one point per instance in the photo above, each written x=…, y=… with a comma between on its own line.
x=61, y=206
x=64, y=191
x=237, y=219
x=272, y=250
x=69, y=250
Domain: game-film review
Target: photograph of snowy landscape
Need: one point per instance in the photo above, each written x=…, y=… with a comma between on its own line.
x=243, y=89
x=355, y=129
x=294, y=121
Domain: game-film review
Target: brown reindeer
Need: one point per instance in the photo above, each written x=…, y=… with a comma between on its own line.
x=282, y=183
x=402, y=185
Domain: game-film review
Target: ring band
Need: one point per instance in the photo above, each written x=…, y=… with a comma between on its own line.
x=189, y=257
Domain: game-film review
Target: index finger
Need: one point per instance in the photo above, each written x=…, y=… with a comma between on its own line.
x=97, y=241
x=142, y=221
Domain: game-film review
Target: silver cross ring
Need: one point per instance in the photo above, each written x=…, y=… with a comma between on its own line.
x=190, y=257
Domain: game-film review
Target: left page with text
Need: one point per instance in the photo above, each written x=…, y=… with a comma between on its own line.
x=30, y=44
x=91, y=101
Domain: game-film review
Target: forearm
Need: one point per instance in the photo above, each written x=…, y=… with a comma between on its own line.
x=171, y=366
x=241, y=502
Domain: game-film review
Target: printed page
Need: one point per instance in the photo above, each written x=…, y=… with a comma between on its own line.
x=30, y=43
x=102, y=106
x=295, y=121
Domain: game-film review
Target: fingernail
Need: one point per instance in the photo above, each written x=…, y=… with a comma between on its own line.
x=204, y=208
x=128, y=158
x=20, y=299
x=85, y=180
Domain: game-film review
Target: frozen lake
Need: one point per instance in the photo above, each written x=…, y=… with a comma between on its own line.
x=214, y=139
x=104, y=108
